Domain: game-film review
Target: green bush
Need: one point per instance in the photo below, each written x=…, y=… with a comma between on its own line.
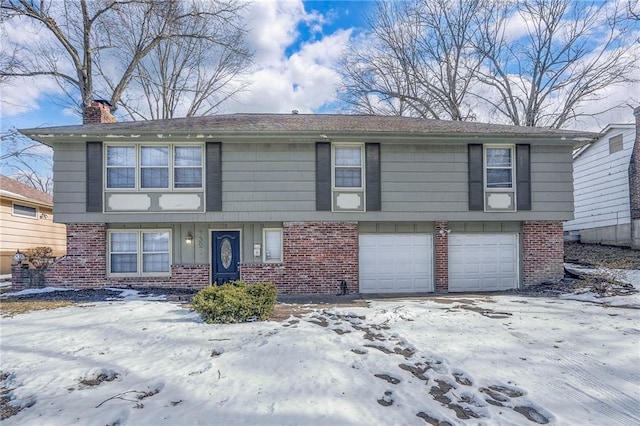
x=235, y=302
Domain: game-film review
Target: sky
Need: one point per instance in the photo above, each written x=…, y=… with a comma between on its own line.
x=297, y=45
x=502, y=359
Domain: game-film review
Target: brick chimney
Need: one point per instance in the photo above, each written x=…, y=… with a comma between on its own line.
x=634, y=185
x=98, y=112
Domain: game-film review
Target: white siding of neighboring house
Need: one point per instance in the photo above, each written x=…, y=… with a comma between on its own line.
x=601, y=182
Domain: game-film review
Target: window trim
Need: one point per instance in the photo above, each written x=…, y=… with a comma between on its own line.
x=512, y=149
x=511, y=190
x=264, y=245
x=362, y=189
x=139, y=252
x=334, y=167
x=18, y=214
x=137, y=187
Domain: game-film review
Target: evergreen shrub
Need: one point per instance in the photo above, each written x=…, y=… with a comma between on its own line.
x=235, y=301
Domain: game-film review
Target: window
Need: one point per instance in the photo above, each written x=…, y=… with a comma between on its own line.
x=348, y=166
x=615, y=144
x=499, y=173
x=272, y=241
x=121, y=170
x=347, y=177
x=139, y=252
x=499, y=167
x=154, y=167
x=26, y=211
x=188, y=167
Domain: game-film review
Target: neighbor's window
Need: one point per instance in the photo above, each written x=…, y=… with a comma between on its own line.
x=499, y=167
x=139, y=252
x=154, y=166
x=26, y=211
x=347, y=166
x=272, y=241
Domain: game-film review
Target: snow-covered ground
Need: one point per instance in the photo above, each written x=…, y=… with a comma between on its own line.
x=496, y=359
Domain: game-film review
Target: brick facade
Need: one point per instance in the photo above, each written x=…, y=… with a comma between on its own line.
x=442, y=257
x=543, y=252
x=85, y=266
x=317, y=257
x=634, y=185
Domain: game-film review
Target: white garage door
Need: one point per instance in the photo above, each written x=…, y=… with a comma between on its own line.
x=396, y=263
x=483, y=262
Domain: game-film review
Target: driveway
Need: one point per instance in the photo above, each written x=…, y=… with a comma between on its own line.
x=492, y=359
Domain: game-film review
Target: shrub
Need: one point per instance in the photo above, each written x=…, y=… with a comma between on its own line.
x=235, y=302
x=39, y=257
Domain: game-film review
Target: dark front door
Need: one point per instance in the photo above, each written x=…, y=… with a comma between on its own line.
x=226, y=256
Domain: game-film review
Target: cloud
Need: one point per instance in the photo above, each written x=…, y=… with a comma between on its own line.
x=304, y=80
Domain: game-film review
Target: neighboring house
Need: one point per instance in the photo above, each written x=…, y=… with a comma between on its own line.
x=604, y=187
x=311, y=202
x=26, y=221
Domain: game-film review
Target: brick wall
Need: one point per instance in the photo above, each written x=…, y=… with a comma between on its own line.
x=317, y=256
x=442, y=257
x=85, y=265
x=543, y=251
x=97, y=113
x=634, y=186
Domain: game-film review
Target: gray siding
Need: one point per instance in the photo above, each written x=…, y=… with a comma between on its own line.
x=69, y=176
x=275, y=182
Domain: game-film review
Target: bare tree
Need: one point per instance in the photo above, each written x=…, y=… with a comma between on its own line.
x=26, y=161
x=189, y=75
x=421, y=61
x=93, y=48
x=527, y=62
x=568, y=55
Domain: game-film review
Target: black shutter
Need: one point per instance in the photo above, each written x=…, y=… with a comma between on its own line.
x=214, y=176
x=94, y=176
x=523, y=176
x=372, y=164
x=323, y=176
x=476, y=184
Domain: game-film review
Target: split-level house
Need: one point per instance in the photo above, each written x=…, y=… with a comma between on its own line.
x=607, y=188
x=312, y=203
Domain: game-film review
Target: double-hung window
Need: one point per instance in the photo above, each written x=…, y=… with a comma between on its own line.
x=348, y=177
x=142, y=252
x=499, y=177
x=154, y=167
x=272, y=239
x=121, y=167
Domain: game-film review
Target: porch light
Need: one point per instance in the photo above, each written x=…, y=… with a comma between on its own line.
x=189, y=238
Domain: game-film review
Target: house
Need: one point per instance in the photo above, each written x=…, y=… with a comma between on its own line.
x=312, y=203
x=26, y=221
x=606, y=183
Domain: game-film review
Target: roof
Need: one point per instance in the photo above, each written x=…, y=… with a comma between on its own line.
x=322, y=125
x=11, y=188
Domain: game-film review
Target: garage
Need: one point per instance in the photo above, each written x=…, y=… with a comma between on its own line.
x=396, y=263
x=483, y=262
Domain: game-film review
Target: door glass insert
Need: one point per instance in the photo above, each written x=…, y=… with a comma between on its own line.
x=226, y=254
